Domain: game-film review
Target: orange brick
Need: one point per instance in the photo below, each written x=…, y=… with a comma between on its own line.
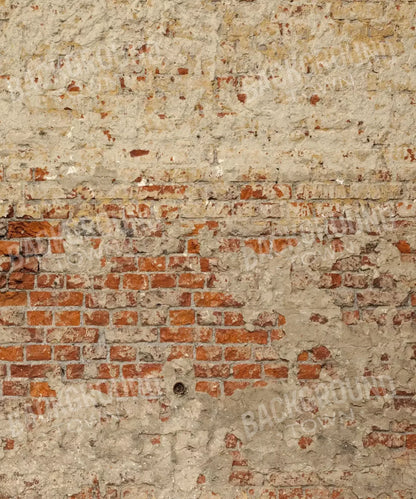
x=75, y=371
x=177, y=335
x=13, y=299
x=181, y=317
x=212, y=299
x=208, y=353
x=258, y=246
x=135, y=281
x=68, y=318
x=38, y=352
x=125, y=318
x=33, y=229
x=163, y=280
x=97, y=318
x=107, y=371
x=237, y=353
x=15, y=388
x=123, y=353
x=67, y=352
x=309, y=371
x=142, y=370
x=276, y=371
x=39, y=318
x=247, y=371
x=9, y=248
x=231, y=386
x=193, y=281
x=57, y=246
x=241, y=336
x=21, y=280
x=11, y=353
x=41, y=389
x=152, y=264
x=212, y=388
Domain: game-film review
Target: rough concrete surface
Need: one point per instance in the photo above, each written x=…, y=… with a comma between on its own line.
x=207, y=249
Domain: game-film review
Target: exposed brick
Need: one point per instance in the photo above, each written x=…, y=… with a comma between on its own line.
x=212, y=388
x=181, y=317
x=247, y=371
x=309, y=371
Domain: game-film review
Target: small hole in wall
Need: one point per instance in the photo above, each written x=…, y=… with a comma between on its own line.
x=179, y=389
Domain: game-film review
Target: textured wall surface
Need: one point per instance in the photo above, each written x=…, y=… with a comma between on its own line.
x=207, y=249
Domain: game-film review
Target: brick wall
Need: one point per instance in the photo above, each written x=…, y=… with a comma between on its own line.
x=207, y=249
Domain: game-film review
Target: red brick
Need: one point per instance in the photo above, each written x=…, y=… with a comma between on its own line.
x=77, y=281
x=123, y=264
x=125, y=389
x=231, y=386
x=276, y=371
x=181, y=352
x=192, y=281
x=123, y=353
x=181, y=317
x=233, y=319
x=241, y=371
x=183, y=263
x=11, y=354
x=135, y=153
x=139, y=210
x=29, y=264
x=241, y=336
x=32, y=371
x=9, y=248
x=125, y=318
x=15, y=388
x=411, y=441
x=135, y=281
x=193, y=246
x=321, y=353
x=386, y=439
x=208, y=353
x=212, y=299
x=142, y=370
x=13, y=299
x=177, y=334
x=330, y=281
x=38, y=352
x=152, y=264
x=72, y=335
x=237, y=353
x=107, y=371
x=212, y=370
x=258, y=246
x=75, y=371
x=309, y=371
x=109, y=281
x=33, y=229
x=50, y=281
x=20, y=280
x=281, y=244
x=68, y=318
x=97, y=318
x=39, y=318
x=66, y=352
x=350, y=317
x=212, y=388
x=56, y=299
x=163, y=280
x=57, y=246
x=41, y=389
x=403, y=246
